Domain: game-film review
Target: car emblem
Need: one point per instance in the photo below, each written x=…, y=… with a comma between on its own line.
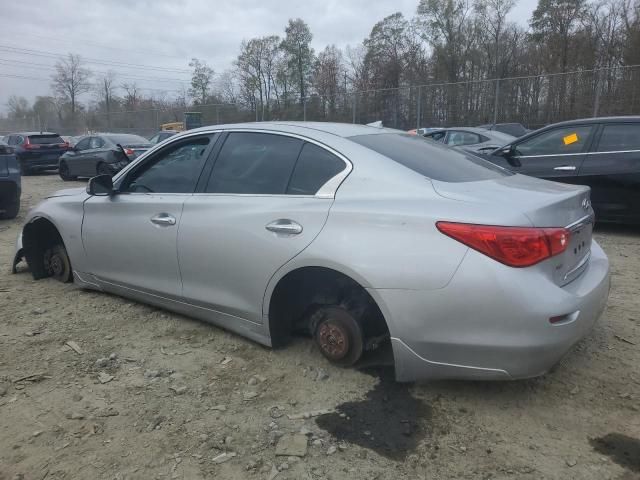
x=586, y=203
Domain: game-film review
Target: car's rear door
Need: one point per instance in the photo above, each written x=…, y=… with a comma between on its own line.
x=262, y=204
x=612, y=170
x=130, y=237
x=554, y=154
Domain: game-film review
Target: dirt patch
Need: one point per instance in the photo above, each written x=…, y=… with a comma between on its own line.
x=622, y=449
x=389, y=421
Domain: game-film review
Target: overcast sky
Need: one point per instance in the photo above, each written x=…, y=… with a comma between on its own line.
x=156, y=38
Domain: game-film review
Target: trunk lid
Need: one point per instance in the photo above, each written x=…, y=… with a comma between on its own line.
x=545, y=204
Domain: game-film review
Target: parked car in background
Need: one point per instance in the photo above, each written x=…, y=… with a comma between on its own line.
x=603, y=153
x=514, y=129
x=331, y=230
x=10, y=183
x=421, y=131
x=71, y=140
x=471, y=138
x=101, y=154
x=162, y=136
x=37, y=151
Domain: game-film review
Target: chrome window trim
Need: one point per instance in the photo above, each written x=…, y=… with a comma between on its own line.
x=574, y=154
x=328, y=190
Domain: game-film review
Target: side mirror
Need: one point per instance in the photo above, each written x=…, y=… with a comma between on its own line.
x=508, y=153
x=101, y=185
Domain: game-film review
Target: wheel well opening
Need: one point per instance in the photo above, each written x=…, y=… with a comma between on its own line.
x=38, y=236
x=299, y=294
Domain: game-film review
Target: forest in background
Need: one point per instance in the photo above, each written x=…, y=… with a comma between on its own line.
x=455, y=62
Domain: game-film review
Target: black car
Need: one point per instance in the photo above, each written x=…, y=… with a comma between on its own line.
x=101, y=154
x=513, y=129
x=603, y=153
x=10, y=183
x=37, y=151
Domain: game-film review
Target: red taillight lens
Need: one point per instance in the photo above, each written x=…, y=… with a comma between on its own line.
x=129, y=152
x=513, y=246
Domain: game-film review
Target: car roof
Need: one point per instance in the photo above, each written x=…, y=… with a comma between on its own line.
x=33, y=133
x=339, y=129
x=582, y=121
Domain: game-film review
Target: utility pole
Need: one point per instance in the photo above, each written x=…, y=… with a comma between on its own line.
x=418, y=108
x=495, y=102
x=353, y=108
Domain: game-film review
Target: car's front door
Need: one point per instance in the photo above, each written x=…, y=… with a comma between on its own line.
x=554, y=154
x=262, y=205
x=130, y=237
x=612, y=170
x=75, y=158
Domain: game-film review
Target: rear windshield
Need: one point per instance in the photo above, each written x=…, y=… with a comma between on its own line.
x=432, y=160
x=45, y=139
x=127, y=139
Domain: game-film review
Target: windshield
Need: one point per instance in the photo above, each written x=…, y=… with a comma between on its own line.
x=432, y=160
x=45, y=139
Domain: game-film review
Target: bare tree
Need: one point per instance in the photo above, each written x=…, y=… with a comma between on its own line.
x=297, y=45
x=201, y=80
x=71, y=80
x=105, y=89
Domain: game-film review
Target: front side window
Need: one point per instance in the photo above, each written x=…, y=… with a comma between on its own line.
x=254, y=163
x=315, y=167
x=559, y=141
x=175, y=169
x=458, y=138
x=620, y=137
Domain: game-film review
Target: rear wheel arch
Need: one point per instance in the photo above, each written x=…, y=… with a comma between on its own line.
x=299, y=293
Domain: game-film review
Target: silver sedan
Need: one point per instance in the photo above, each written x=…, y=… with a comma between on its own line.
x=357, y=236
x=474, y=139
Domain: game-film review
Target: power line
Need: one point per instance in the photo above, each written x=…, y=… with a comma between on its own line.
x=90, y=60
x=42, y=66
x=100, y=45
x=47, y=79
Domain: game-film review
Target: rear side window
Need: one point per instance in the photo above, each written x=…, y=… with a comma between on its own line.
x=616, y=137
x=314, y=168
x=45, y=139
x=456, y=138
x=254, y=163
x=431, y=160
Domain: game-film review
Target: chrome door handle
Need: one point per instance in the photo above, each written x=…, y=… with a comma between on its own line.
x=164, y=219
x=286, y=226
x=567, y=168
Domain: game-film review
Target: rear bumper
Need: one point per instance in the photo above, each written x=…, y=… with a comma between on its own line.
x=492, y=321
x=44, y=161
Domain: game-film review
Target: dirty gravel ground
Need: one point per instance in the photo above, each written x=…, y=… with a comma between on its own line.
x=188, y=400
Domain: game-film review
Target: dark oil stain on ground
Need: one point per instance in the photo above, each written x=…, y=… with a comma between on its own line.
x=623, y=450
x=389, y=421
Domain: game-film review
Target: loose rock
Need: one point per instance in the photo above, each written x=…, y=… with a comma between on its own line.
x=292, y=445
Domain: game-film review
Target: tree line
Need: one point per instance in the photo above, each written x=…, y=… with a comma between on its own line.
x=453, y=62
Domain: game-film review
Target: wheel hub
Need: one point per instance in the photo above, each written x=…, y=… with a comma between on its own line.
x=57, y=266
x=334, y=340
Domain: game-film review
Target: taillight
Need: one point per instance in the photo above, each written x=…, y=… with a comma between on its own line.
x=129, y=152
x=513, y=246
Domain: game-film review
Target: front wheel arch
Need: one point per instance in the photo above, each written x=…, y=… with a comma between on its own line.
x=39, y=236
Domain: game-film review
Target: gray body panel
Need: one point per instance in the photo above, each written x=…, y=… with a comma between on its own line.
x=219, y=263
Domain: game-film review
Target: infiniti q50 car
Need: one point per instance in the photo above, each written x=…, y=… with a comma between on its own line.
x=355, y=235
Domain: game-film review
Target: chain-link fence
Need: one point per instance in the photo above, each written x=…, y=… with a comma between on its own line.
x=533, y=100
